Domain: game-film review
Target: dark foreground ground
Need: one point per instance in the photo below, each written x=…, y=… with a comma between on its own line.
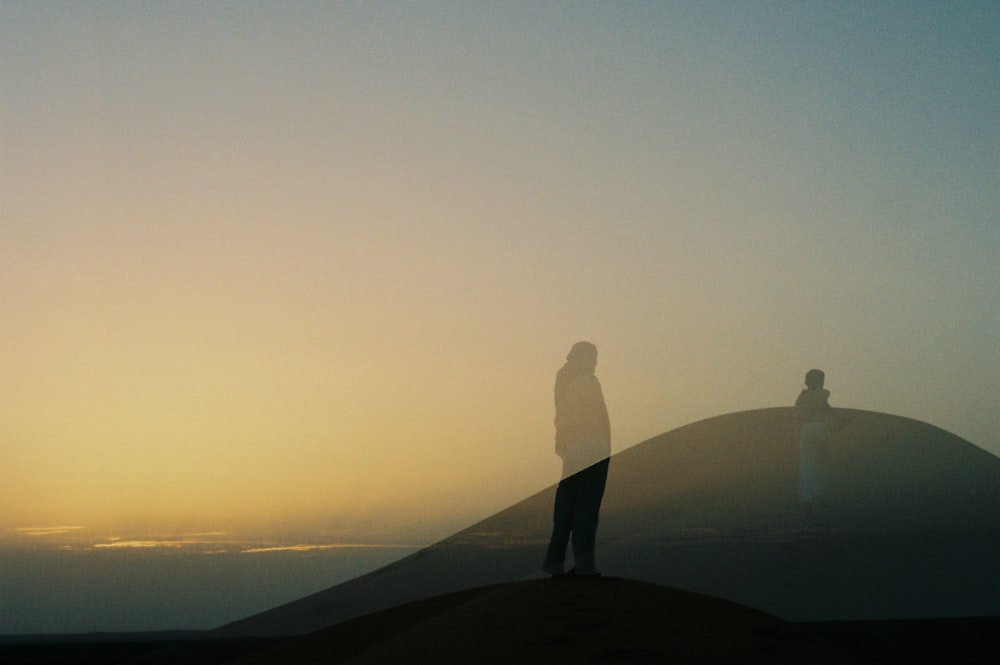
x=540, y=621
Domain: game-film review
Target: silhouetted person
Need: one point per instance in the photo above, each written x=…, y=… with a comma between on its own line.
x=813, y=412
x=583, y=441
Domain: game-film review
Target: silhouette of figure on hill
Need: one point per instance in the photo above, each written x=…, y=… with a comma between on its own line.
x=814, y=415
x=583, y=441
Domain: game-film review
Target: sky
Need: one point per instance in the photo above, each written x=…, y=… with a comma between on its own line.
x=299, y=272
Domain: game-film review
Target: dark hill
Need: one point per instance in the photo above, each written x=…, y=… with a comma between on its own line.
x=911, y=529
x=540, y=621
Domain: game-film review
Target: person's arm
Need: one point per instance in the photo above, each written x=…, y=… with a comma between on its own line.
x=598, y=412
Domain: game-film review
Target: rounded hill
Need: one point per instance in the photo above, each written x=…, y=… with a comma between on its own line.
x=910, y=529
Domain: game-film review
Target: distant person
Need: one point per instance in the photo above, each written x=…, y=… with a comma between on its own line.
x=583, y=441
x=813, y=412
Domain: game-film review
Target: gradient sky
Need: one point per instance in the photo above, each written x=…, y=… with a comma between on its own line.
x=312, y=266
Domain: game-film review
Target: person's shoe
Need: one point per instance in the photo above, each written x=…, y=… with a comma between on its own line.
x=554, y=569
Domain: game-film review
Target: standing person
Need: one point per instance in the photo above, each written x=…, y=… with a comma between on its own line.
x=813, y=412
x=583, y=441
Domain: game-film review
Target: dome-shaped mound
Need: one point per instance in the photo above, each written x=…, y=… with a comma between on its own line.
x=740, y=471
x=911, y=528
x=537, y=621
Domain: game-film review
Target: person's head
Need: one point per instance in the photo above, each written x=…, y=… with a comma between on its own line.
x=583, y=355
x=814, y=379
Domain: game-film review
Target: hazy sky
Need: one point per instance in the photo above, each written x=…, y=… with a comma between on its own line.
x=315, y=264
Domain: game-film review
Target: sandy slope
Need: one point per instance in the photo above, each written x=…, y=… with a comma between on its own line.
x=595, y=621
x=910, y=530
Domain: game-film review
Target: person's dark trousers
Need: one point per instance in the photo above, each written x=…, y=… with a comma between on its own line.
x=578, y=502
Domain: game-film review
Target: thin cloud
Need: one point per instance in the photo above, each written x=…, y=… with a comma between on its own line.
x=173, y=541
x=143, y=544
x=202, y=542
x=45, y=530
x=314, y=548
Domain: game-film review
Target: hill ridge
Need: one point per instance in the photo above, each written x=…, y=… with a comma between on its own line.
x=711, y=507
